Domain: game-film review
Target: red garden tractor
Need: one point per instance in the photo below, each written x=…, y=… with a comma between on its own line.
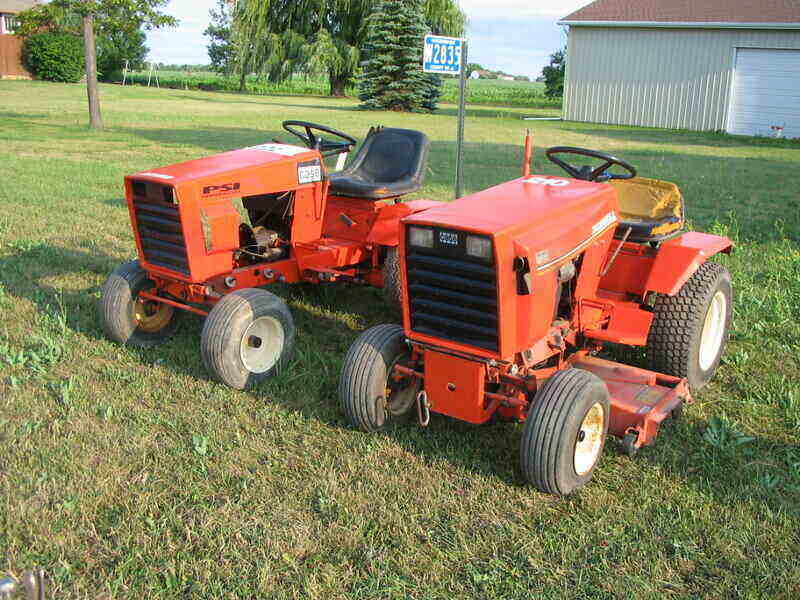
x=510, y=294
x=197, y=252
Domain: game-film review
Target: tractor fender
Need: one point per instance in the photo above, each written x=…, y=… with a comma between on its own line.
x=386, y=230
x=679, y=258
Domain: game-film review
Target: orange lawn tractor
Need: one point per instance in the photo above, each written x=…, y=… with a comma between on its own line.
x=197, y=254
x=510, y=294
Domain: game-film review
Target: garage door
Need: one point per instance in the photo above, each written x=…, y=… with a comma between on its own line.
x=766, y=92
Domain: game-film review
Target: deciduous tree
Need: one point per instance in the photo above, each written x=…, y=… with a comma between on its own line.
x=221, y=51
x=554, y=74
x=281, y=37
x=86, y=17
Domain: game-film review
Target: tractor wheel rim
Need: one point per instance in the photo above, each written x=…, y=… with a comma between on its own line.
x=262, y=344
x=398, y=401
x=713, y=330
x=589, y=439
x=151, y=317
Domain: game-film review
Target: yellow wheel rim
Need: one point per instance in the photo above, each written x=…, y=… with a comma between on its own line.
x=150, y=316
x=590, y=439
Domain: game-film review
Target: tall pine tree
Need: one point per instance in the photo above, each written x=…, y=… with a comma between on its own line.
x=392, y=77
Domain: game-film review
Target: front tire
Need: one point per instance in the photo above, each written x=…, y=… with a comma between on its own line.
x=565, y=432
x=247, y=337
x=370, y=399
x=127, y=319
x=690, y=330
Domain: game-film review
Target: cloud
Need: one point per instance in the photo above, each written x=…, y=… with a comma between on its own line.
x=184, y=44
x=516, y=46
x=514, y=36
x=516, y=9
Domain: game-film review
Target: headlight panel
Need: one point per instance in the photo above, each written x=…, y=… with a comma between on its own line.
x=479, y=247
x=421, y=237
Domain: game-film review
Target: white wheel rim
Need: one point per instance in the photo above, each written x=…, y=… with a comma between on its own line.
x=713, y=330
x=589, y=439
x=262, y=344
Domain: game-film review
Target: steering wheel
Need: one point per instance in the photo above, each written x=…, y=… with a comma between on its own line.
x=317, y=142
x=586, y=173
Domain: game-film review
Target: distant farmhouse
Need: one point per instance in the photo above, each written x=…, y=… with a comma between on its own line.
x=728, y=65
x=10, y=45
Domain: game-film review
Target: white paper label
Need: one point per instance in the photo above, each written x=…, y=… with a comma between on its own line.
x=543, y=181
x=156, y=175
x=284, y=149
x=309, y=174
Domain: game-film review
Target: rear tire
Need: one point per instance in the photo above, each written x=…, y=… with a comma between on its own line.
x=128, y=320
x=392, y=291
x=369, y=399
x=565, y=432
x=689, y=330
x=247, y=337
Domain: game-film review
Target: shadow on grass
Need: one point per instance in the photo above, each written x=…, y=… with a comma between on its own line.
x=308, y=387
x=762, y=470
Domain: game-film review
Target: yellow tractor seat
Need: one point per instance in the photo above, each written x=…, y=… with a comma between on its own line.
x=651, y=209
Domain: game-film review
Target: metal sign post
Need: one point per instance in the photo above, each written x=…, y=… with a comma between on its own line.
x=445, y=55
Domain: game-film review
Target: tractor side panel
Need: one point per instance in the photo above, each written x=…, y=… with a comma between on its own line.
x=386, y=229
x=679, y=258
x=631, y=269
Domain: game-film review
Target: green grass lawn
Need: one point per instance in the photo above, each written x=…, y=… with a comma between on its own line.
x=129, y=474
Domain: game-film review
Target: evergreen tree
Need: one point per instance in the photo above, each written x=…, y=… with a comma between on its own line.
x=432, y=91
x=392, y=76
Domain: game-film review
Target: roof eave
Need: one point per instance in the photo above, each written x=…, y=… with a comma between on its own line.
x=681, y=25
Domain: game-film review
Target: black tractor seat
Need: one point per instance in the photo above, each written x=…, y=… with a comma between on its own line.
x=391, y=162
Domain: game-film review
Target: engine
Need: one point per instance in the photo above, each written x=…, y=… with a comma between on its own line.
x=268, y=236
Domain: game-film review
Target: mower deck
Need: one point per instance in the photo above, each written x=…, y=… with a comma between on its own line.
x=640, y=400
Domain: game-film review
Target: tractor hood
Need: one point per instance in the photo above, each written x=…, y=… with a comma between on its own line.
x=227, y=164
x=545, y=217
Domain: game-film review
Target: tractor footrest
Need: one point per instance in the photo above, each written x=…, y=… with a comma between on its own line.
x=628, y=325
x=640, y=399
x=628, y=338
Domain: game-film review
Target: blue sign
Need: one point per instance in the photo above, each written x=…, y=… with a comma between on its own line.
x=442, y=55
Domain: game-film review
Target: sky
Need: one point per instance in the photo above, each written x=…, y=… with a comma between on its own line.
x=515, y=36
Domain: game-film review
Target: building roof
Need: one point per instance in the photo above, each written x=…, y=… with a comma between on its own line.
x=687, y=12
x=16, y=6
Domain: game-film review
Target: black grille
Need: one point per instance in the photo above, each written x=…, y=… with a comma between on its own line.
x=159, y=225
x=452, y=296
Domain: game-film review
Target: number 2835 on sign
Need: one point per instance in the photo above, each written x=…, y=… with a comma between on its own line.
x=442, y=55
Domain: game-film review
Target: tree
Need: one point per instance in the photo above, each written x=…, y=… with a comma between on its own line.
x=219, y=32
x=86, y=16
x=281, y=37
x=471, y=67
x=431, y=91
x=53, y=56
x=391, y=77
x=553, y=74
x=115, y=48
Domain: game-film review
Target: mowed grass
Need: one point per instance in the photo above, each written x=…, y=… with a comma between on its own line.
x=127, y=473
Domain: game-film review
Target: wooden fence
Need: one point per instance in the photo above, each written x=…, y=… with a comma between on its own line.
x=11, y=58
